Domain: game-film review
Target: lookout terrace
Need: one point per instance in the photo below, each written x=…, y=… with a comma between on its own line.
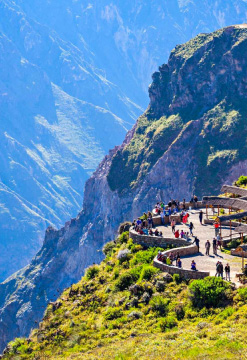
x=200, y=238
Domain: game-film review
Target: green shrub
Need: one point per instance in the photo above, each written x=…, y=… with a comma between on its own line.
x=144, y=256
x=123, y=238
x=136, y=272
x=125, y=280
x=113, y=313
x=17, y=346
x=242, y=294
x=116, y=273
x=147, y=272
x=108, y=248
x=209, y=292
x=242, y=180
x=233, y=244
x=176, y=278
x=226, y=313
x=92, y=271
x=133, y=247
x=159, y=305
x=168, y=323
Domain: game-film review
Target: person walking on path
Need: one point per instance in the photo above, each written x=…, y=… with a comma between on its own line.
x=197, y=242
x=227, y=271
x=173, y=223
x=214, y=246
x=201, y=216
x=207, y=246
x=191, y=227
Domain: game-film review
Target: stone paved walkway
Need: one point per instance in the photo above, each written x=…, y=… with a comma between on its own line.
x=204, y=233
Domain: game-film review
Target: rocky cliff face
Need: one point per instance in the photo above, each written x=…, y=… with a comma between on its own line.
x=72, y=73
x=192, y=138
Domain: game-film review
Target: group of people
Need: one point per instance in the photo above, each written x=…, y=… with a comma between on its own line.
x=170, y=258
x=174, y=207
x=220, y=268
x=144, y=222
x=216, y=244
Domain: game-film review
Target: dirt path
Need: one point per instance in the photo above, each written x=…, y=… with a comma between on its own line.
x=204, y=233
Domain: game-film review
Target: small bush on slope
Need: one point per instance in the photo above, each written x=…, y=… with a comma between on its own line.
x=210, y=292
x=242, y=181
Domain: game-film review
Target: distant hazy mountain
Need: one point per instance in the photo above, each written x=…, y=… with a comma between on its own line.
x=73, y=80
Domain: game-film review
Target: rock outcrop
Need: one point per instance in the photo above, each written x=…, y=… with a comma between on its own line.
x=191, y=139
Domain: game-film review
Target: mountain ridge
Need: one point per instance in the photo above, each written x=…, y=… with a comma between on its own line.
x=205, y=146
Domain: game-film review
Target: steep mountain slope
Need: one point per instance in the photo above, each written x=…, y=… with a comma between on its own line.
x=97, y=58
x=194, y=130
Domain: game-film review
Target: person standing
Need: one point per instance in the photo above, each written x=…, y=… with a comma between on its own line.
x=219, y=241
x=216, y=228
x=214, y=246
x=191, y=227
x=217, y=272
x=162, y=217
x=173, y=223
x=207, y=246
x=197, y=242
x=227, y=271
x=195, y=200
x=220, y=269
x=201, y=216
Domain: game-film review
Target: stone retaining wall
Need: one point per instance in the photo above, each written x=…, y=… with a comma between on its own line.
x=184, y=273
x=159, y=241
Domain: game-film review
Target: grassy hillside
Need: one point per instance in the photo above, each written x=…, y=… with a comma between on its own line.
x=126, y=309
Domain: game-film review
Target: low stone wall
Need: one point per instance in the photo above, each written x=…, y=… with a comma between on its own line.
x=184, y=273
x=159, y=241
x=157, y=220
